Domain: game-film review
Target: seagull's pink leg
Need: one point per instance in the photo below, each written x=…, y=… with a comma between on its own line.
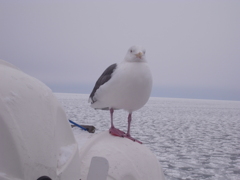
x=128, y=132
x=114, y=131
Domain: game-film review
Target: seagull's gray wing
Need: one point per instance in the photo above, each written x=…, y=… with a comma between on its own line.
x=105, y=77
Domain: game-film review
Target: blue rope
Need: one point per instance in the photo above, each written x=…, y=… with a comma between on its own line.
x=77, y=125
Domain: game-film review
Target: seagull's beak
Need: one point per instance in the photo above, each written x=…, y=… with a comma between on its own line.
x=139, y=55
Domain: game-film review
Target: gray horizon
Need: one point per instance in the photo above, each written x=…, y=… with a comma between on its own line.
x=192, y=47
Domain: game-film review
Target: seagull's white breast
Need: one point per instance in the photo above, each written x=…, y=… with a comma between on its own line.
x=128, y=89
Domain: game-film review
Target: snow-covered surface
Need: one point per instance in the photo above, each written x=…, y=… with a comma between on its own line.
x=65, y=154
x=127, y=159
x=192, y=139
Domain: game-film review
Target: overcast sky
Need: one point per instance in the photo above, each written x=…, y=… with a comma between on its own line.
x=193, y=47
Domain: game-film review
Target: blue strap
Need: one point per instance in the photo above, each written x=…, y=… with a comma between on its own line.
x=77, y=125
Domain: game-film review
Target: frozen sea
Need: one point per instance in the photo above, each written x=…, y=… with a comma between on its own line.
x=192, y=139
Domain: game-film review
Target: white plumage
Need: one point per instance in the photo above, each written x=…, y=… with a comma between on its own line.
x=126, y=85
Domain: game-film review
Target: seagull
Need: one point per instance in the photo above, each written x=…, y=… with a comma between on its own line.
x=126, y=85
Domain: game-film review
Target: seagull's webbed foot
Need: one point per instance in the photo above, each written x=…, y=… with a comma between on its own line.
x=116, y=132
x=131, y=138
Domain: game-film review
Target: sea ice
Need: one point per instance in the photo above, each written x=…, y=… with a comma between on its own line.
x=192, y=139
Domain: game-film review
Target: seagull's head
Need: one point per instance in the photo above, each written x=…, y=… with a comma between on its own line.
x=135, y=54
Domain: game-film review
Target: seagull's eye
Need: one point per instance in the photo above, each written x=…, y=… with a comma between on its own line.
x=144, y=52
x=131, y=51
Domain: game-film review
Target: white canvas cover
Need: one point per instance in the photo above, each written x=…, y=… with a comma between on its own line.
x=35, y=136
